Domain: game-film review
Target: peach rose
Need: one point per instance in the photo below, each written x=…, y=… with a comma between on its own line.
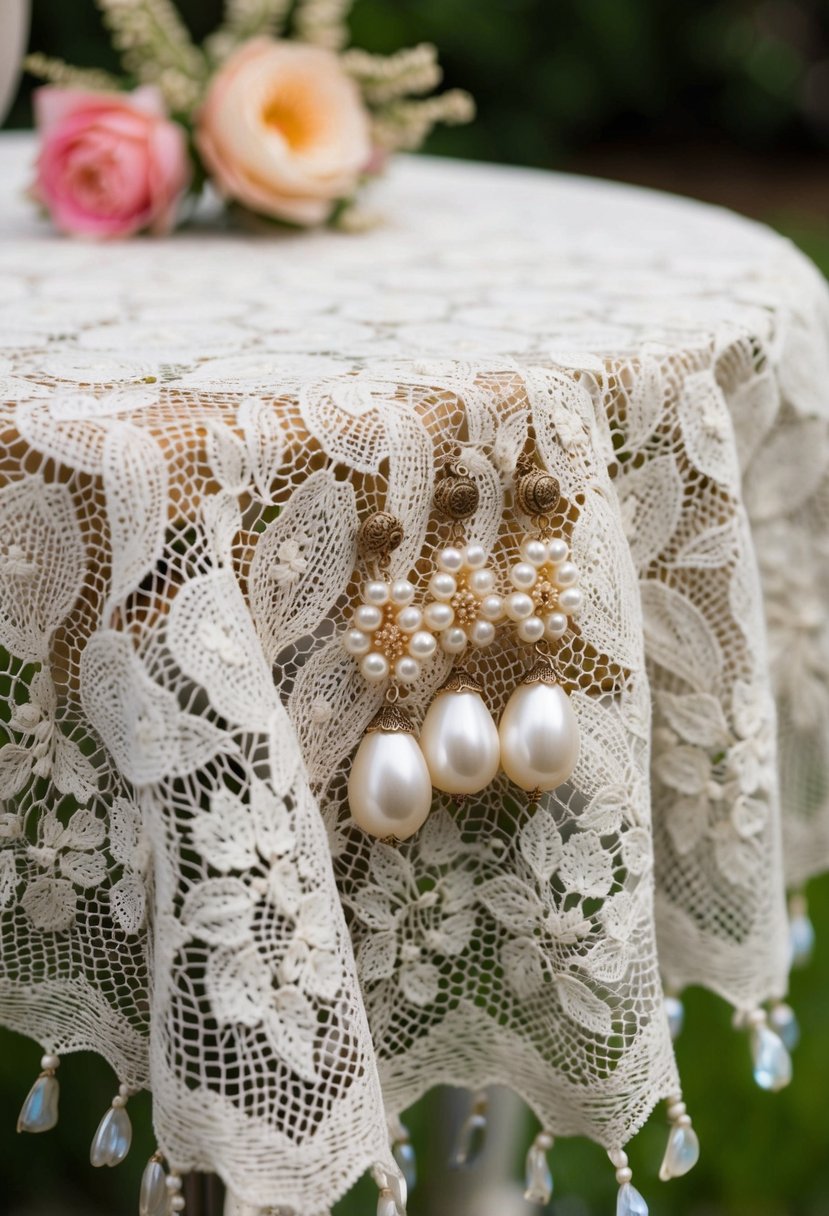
x=110, y=164
x=283, y=131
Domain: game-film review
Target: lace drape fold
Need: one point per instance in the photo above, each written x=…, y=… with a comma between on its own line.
x=191, y=434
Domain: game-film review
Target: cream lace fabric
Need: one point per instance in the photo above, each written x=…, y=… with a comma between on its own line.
x=192, y=431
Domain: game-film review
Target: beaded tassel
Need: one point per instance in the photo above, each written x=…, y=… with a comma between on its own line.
x=39, y=1112
x=682, y=1149
x=112, y=1140
x=472, y=1134
x=628, y=1201
x=538, y=1179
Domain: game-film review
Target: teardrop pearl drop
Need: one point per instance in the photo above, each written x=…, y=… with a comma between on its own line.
x=113, y=1138
x=389, y=787
x=39, y=1112
x=152, y=1200
x=459, y=739
x=539, y=732
x=386, y=1205
x=681, y=1153
x=404, y=1155
x=772, y=1063
x=629, y=1202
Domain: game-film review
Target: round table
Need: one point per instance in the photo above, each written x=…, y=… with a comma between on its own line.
x=193, y=431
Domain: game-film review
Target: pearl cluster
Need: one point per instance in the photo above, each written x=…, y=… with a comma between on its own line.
x=465, y=606
x=392, y=636
x=387, y=632
x=546, y=591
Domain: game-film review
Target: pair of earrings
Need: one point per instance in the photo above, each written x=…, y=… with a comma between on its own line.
x=460, y=748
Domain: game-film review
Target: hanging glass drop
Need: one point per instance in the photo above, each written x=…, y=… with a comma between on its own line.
x=153, y=1196
x=629, y=1202
x=113, y=1138
x=404, y=1155
x=538, y=1178
x=675, y=1012
x=386, y=1205
x=681, y=1152
x=772, y=1062
x=801, y=940
x=783, y=1020
x=39, y=1112
x=471, y=1136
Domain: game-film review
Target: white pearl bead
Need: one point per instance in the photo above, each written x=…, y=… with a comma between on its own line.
x=534, y=551
x=531, y=630
x=481, y=581
x=460, y=743
x=367, y=617
x=523, y=576
x=49, y=1063
x=539, y=737
x=450, y=560
x=438, y=616
x=173, y=1182
x=407, y=669
x=389, y=787
x=402, y=591
x=492, y=607
x=177, y=1203
x=356, y=642
x=555, y=625
x=409, y=619
x=375, y=667
x=557, y=550
x=567, y=574
x=442, y=586
x=476, y=556
x=422, y=644
x=376, y=592
x=518, y=606
x=570, y=600
x=482, y=633
x=453, y=640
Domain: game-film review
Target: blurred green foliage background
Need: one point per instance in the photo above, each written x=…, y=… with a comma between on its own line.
x=725, y=99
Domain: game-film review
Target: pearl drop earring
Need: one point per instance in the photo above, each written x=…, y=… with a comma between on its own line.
x=459, y=738
x=389, y=788
x=538, y=730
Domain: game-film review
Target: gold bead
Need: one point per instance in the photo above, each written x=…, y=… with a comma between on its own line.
x=380, y=534
x=536, y=491
x=456, y=494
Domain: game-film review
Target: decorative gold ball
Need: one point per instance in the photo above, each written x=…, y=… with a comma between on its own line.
x=380, y=533
x=536, y=492
x=456, y=495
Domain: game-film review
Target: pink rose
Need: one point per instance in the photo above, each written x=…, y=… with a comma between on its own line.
x=110, y=164
x=284, y=131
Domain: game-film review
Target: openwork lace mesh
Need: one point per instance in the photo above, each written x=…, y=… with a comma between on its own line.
x=191, y=435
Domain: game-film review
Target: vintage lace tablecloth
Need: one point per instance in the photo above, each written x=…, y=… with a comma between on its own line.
x=192, y=430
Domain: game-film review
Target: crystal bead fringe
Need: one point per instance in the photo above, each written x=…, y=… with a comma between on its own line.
x=783, y=1021
x=682, y=1149
x=403, y=1152
x=152, y=1199
x=538, y=1180
x=801, y=931
x=675, y=1012
x=39, y=1112
x=472, y=1134
x=112, y=1140
x=628, y=1201
x=394, y=1184
x=772, y=1064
